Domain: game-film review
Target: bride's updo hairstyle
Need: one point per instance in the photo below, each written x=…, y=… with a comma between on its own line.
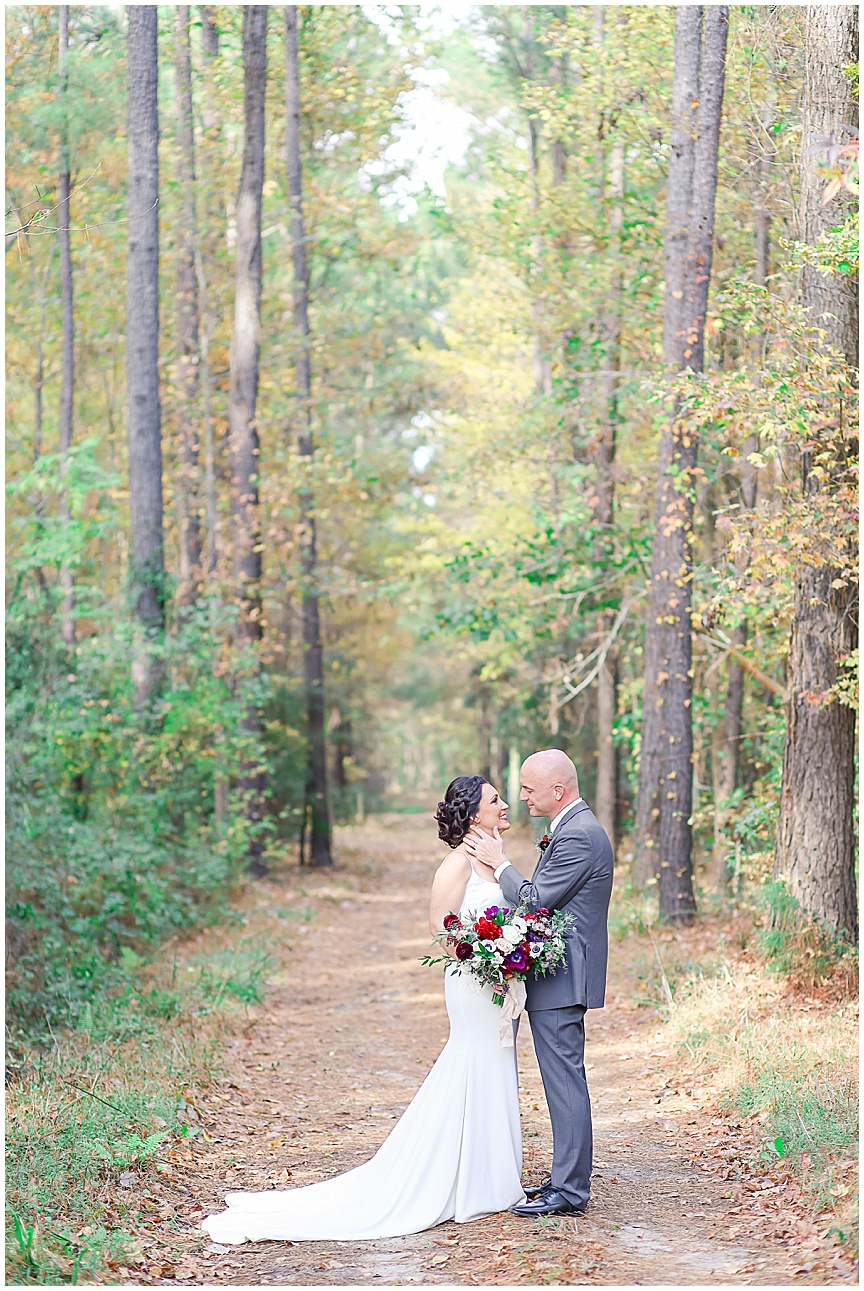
x=460, y=806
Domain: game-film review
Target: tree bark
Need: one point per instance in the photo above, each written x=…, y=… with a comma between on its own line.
x=815, y=840
x=727, y=750
x=146, y=555
x=213, y=217
x=243, y=395
x=666, y=765
x=67, y=311
x=245, y=340
x=188, y=348
x=313, y=655
x=610, y=325
x=209, y=32
x=831, y=44
x=679, y=194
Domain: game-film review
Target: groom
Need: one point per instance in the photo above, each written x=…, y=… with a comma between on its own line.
x=573, y=873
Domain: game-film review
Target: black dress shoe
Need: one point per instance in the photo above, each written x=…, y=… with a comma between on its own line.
x=549, y=1202
x=544, y=1186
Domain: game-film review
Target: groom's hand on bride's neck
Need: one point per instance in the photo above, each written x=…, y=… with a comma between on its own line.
x=488, y=849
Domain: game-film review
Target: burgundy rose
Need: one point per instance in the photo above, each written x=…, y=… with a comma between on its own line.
x=464, y=950
x=543, y=912
x=451, y=921
x=517, y=960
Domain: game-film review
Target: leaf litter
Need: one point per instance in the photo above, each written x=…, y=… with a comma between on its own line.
x=328, y=1052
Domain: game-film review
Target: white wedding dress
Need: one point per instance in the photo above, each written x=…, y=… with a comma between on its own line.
x=456, y=1153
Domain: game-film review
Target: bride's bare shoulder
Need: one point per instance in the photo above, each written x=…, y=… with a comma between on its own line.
x=456, y=862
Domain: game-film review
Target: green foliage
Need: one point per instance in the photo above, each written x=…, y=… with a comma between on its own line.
x=837, y=251
x=116, y=833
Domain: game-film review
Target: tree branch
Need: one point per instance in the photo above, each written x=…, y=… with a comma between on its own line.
x=747, y=664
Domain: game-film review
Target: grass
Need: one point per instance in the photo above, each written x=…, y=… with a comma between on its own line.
x=762, y=1011
x=108, y=1103
x=786, y=1066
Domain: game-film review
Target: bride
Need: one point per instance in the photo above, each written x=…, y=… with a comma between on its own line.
x=456, y=1153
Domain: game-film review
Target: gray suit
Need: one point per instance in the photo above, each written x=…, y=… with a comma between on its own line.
x=573, y=874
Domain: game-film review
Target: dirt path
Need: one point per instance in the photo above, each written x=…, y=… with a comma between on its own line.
x=351, y=1027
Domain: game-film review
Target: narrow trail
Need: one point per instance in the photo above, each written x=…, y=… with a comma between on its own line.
x=352, y=1025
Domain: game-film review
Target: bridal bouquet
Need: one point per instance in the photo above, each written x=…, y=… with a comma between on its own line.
x=500, y=947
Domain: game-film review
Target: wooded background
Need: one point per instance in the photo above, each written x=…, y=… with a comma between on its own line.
x=326, y=485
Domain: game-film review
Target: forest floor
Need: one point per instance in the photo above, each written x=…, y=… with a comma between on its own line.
x=314, y=1078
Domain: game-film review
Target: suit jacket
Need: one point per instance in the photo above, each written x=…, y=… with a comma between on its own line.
x=573, y=874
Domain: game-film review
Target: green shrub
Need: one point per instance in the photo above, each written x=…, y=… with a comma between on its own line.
x=123, y=827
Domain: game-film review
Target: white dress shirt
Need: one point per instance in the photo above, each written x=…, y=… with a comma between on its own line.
x=553, y=825
x=561, y=814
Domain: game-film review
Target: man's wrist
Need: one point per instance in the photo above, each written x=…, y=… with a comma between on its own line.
x=501, y=868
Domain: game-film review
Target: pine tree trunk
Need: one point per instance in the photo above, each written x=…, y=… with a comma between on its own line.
x=666, y=767
x=187, y=322
x=213, y=217
x=67, y=310
x=245, y=340
x=815, y=840
x=313, y=655
x=146, y=555
x=607, y=678
x=831, y=44
x=243, y=394
x=679, y=196
x=727, y=750
x=209, y=32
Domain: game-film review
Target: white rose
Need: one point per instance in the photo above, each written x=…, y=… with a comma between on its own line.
x=511, y=934
x=504, y=945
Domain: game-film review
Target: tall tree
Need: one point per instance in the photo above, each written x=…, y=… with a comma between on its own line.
x=246, y=335
x=815, y=843
x=243, y=393
x=726, y=743
x=666, y=768
x=67, y=311
x=204, y=267
x=611, y=160
x=209, y=32
x=146, y=555
x=188, y=348
x=313, y=654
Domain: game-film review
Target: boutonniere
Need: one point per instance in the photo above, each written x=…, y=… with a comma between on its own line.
x=544, y=842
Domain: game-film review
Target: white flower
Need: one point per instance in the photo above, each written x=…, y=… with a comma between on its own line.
x=511, y=934
x=504, y=945
x=519, y=924
x=489, y=945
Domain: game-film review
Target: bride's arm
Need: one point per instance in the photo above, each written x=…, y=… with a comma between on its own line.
x=448, y=889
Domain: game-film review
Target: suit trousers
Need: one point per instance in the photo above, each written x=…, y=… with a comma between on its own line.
x=559, y=1042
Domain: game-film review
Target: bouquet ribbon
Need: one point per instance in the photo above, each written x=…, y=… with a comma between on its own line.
x=514, y=1003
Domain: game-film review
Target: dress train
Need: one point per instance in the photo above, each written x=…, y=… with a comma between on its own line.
x=456, y=1152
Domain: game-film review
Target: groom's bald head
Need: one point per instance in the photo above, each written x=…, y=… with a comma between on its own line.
x=549, y=782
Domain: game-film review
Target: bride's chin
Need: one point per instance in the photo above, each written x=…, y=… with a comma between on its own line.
x=503, y=824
